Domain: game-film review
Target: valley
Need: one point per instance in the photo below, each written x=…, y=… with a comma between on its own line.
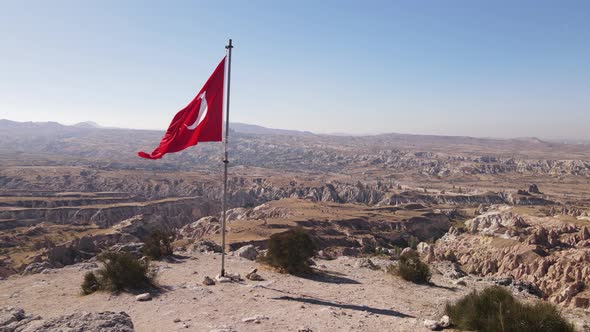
x=514, y=212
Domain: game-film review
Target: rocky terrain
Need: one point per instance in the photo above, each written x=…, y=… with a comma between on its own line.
x=346, y=294
x=338, y=228
x=481, y=211
x=547, y=252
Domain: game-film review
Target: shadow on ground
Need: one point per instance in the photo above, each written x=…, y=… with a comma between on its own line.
x=377, y=311
x=329, y=277
x=431, y=284
x=175, y=259
x=154, y=291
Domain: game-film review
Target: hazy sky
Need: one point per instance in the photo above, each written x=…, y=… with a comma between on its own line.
x=480, y=68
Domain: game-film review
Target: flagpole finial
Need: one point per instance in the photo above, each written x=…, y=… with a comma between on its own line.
x=228, y=46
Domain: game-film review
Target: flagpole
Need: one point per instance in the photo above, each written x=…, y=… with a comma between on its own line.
x=228, y=47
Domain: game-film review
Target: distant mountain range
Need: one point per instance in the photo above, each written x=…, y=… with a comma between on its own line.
x=260, y=130
x=87, y=143
x=51, y=127
x=236, y=126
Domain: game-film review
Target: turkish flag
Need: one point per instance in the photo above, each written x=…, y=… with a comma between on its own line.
x=199, y=121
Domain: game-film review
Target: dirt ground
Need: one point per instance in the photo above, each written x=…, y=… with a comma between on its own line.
x=343, y=297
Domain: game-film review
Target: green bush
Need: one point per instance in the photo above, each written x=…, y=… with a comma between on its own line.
x=495, y=309
x=90, y=283
x=158, y=244
x=120, y=271
x=411, y=268
x=290, y=251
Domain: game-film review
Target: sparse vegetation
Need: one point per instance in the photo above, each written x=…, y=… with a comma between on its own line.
x=121, y=271
x=158, y=244
x=290, y=251
x=411, y=268
x=398, y=251
x=413, y=242
x=90, y=283
x=495, y=309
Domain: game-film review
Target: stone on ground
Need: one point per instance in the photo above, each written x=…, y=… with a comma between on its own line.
x=248, y=252
x=15, y=319
x=208, y=281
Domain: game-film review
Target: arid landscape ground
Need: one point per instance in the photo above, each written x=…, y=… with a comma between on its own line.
x=513, y=212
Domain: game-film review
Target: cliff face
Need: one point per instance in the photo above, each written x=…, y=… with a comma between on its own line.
x=177, y=212
x=107, y=207
x=553, y=255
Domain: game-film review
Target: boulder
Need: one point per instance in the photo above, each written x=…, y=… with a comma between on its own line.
x=134, y=248
x=207, y=246
x=407, y=250
x=198, y=229
x=63, y=254
x=86, y=244
x=15, y=319
x=502, y=281
x=366, y=263
x=252, y=275
x=444, y=322
x=527, y=287
x=233, y=277
x=450, y=270
x=255, y=277
x=35, y=268
x=144, y=297
x=221, y=279
x=422, y=248
x=84, y=321
x=248, y=252
x=208, y=281
x=9, y=315
x=432, y=325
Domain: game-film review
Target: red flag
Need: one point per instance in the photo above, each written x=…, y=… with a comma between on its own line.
x=200, y=121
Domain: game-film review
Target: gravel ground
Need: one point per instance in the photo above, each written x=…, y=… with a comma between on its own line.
x=343, y=297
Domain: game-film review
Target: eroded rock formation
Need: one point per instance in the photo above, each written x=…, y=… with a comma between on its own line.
x=550, y=254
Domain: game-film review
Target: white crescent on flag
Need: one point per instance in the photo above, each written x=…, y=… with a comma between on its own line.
x=202, y=112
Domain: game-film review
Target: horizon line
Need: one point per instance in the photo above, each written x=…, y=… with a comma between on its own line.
x=341, y=134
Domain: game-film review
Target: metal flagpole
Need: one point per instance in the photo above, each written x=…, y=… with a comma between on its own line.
x=228, y=47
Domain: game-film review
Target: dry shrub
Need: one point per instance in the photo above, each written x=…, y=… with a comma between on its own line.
x=158, y=244
x=495, y=309
x=121, y=271
x=290, y=251
x=411, y=268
